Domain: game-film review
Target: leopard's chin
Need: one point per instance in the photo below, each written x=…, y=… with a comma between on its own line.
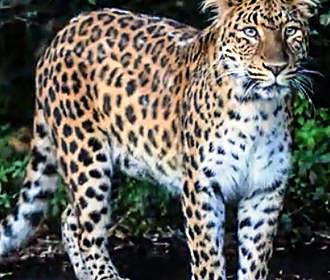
x=260, y=90
x=274, y=91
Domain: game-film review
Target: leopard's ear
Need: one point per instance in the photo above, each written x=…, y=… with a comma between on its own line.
x=307, y=8
x=219, y=7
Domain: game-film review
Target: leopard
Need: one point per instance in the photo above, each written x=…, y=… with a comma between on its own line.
x=205, y=113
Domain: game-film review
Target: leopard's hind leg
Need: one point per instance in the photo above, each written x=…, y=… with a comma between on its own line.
x=39, y=185
x=85, y=223
x=70, y=230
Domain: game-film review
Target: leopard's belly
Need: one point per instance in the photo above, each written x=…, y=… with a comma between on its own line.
x=139, y=166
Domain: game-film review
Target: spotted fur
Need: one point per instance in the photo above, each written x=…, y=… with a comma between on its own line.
x=204, y=113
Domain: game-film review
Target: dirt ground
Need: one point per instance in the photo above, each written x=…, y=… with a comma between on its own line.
x=163, y=259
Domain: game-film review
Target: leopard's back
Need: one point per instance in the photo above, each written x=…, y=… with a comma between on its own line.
x=127, y=72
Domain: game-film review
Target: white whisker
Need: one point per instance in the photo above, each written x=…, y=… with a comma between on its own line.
x=249, y=89
x=312, y=72
x=307, y=81
x=232, y=72
x=302, y=89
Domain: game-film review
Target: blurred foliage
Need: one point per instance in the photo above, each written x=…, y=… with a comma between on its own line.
x=308, y=201
x=142, y=207
x=12, y=167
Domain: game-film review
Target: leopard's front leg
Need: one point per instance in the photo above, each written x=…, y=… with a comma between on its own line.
x=257, y=225
x=204, y=211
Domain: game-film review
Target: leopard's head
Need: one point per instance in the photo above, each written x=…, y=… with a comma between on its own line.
x=263, y=44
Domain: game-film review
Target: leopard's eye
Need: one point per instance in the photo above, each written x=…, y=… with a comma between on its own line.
x=251, y=32
x=290, y=31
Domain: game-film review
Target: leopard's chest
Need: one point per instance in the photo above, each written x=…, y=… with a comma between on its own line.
x=247, y=155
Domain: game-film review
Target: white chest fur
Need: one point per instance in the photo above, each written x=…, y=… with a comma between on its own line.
x=251, y=151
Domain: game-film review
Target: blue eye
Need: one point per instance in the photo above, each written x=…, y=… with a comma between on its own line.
x=290, y=31
x=251, y=32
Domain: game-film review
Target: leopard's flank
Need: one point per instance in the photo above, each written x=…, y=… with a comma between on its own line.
x=205, y=113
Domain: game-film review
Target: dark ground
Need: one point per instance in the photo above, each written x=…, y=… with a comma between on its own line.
x=168, y=259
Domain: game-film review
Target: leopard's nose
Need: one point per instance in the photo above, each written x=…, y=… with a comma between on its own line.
x=276, y=69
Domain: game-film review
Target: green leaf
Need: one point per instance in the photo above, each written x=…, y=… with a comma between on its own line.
x=325, y=19
x=324, y=158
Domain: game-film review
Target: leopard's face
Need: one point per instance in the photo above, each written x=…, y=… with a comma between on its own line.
x=264, y=47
